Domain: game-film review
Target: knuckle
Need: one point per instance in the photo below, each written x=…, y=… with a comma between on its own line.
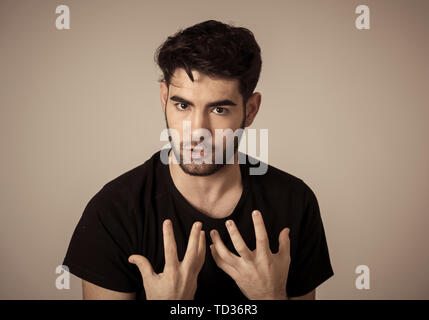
x=191, y=268
x=233, y=232
x=171, y=269
x=262, y=242
x=262, y=237
x=241, y=248
x=174, y=274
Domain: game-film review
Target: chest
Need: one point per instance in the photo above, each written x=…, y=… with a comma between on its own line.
x=217, y=208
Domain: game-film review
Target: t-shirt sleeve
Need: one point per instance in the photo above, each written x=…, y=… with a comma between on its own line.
x=100, y=246
x=311, y=265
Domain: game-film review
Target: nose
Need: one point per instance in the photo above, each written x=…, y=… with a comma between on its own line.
x=200, y=120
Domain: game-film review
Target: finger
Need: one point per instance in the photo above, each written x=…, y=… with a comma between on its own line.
x=170, y=248
x=202, y=245
x=192, y=249
x=262, y=244
x=284, y=242
x=201, y=249
x=237, y=240
x=143, y=264
x=222, y=250
x=227, y=268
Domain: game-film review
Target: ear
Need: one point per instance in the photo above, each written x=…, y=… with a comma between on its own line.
x=163, y=94
x=252, y=107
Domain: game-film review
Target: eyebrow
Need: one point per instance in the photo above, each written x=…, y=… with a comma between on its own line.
x=225, y=102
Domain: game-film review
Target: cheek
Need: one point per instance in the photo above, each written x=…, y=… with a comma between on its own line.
x=232, y=121
x=174, y=118
x=174, y=124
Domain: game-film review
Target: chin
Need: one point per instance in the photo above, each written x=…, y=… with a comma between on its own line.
x=201, y=169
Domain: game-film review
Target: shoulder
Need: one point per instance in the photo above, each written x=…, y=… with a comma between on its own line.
x=133, y=178
x=277, y=181
x=123, y=193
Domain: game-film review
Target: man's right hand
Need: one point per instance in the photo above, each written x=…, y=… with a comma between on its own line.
x=178, y=281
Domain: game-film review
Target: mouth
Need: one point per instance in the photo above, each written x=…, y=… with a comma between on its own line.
x=197, y=153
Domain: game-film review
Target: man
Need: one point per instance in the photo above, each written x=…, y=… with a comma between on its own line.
x=203, y=229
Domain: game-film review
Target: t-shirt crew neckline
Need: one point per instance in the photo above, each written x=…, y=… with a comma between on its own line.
x=194, y=211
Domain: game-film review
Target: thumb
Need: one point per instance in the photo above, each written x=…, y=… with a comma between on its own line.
x=284, y=242
x=143, y=264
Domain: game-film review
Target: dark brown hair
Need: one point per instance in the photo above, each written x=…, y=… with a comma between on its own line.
x=215, y=49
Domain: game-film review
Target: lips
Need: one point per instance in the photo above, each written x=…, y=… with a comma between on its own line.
x=197, y=152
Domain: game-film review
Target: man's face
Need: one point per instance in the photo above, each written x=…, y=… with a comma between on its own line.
x=207, y=103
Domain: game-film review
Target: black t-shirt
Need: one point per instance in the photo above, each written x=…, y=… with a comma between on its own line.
x=125, y=217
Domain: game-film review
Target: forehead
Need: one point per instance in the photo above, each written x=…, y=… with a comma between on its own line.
x=203, y=87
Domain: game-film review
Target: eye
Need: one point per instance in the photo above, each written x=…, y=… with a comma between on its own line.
x=220, y=110
x=181, y=106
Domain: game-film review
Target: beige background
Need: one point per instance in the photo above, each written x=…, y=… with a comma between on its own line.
x=347, y=112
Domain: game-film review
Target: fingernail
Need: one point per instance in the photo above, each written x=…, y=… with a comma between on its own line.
x=167, y=222
x=255, y=213
x=229, y=223
x=198, y=224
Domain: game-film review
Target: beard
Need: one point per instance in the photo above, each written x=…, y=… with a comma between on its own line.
x=200, y=168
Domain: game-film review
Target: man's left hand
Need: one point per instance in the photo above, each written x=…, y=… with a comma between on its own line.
x=260, y=274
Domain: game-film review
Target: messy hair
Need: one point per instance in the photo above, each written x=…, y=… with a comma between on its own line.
x=216, y=49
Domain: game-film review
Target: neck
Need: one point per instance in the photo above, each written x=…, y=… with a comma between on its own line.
x=206, y=188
